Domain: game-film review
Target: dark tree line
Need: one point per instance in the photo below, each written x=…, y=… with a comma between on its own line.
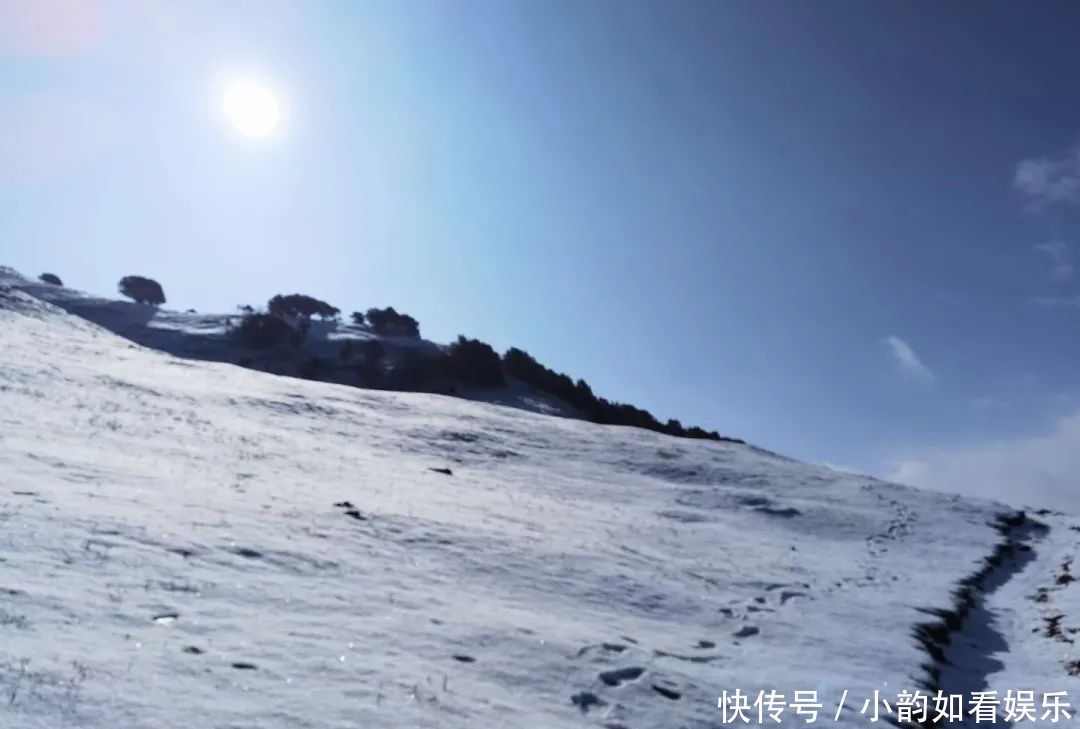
x=473, y=362
x=466, y=362
x=266, y=331
x=389, y=322
x=521, y=365
x=301, y=306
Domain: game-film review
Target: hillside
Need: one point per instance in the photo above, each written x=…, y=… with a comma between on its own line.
x=392, y=356
x=189, y=543
x=206, y=337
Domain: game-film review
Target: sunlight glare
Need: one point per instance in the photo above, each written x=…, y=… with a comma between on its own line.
x=251, y=108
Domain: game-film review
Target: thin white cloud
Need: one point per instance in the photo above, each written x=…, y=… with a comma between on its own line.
x=1069, y=302
x=908, y=364
x=988, y=403
x=1045, y=183
x=1048, y=181
x=1041, y=470
x=1059, y=255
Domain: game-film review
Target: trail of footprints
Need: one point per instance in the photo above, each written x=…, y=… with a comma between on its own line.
x=898, y=527
x=617, y=678
x=773, y=597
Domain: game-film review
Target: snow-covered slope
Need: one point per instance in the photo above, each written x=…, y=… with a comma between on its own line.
x=192, y=544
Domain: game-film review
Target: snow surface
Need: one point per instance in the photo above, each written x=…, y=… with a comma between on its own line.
x=193, y=544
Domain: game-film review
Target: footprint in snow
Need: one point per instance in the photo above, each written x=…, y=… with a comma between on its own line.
x=350, y=510
x=784, y=513
x=666, y=692
x=621, y=675
x=587, y=700
x=746, y=631
x=688, y=659
x=166, y=618
x=789, y=594
x=778, y=585
x=607, y=647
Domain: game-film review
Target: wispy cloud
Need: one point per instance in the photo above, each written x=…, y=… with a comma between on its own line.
x=1048, y=181
x=1038, y=470
x=908, y=364
x=988, y=403
x=1050, y=187
x=1069, y=302
x=1058, y=253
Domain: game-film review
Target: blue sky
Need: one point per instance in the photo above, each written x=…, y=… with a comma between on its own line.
x=847, y=235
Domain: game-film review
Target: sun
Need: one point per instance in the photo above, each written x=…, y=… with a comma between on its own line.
x=251, y=108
